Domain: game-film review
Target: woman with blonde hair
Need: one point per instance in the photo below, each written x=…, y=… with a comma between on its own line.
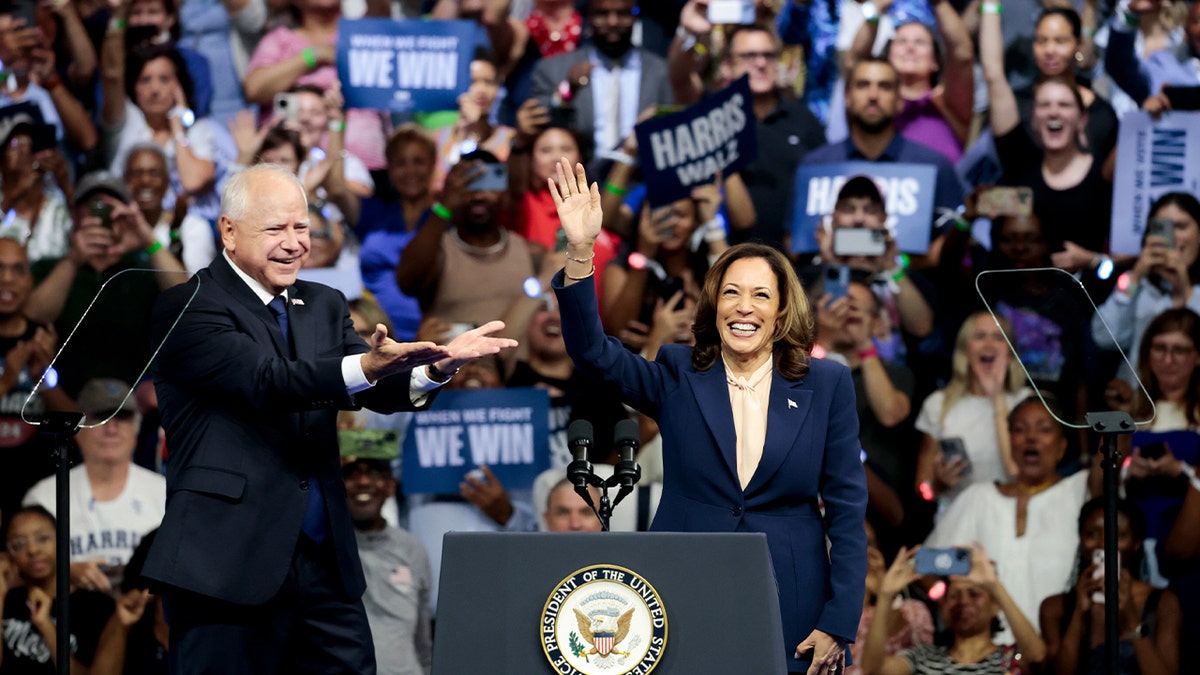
x=971, y=412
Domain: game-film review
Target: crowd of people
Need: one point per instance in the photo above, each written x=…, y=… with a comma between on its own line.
x=123, y=121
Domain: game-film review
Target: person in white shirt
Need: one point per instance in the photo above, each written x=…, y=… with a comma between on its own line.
x=113, y=501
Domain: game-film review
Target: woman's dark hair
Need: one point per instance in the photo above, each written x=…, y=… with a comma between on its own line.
x=1137, y=528
x=1187, y=203
x=936, y=75
x=30, y=510
x=1066, y=81
x=410, y=133
x=794, y=329
x=277, y=137
x=1182, y=320
x=140, y=57
x=1137, y=520
x=1048, y=402
x=1069, y=15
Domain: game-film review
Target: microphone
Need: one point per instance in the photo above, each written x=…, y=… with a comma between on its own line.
x=579, y=440
x=625, y=436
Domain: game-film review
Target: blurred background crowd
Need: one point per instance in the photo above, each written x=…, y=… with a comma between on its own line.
x=120, y=121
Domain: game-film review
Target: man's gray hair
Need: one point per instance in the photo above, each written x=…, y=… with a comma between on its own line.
x=146, y=147
x=235, y=196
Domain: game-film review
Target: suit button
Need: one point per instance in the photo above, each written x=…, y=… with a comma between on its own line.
x=303, y=485
x=737, y=511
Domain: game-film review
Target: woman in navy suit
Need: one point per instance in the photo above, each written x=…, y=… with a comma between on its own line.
x=755, y=433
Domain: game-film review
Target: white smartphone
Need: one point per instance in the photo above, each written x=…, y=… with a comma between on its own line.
x=287, y=109
x=731, y=11
x=1098, y=573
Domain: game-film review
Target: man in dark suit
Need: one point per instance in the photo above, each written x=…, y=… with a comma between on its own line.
x=256, y=556
x=608, y=82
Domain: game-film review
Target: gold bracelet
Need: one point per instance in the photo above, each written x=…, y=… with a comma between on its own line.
x=584, y=260
x=590, y=273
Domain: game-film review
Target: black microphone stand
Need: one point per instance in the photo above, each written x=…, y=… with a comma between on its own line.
x=1110, y=425
x=60, y=427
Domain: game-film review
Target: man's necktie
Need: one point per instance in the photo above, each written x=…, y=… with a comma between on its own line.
x=313, y=525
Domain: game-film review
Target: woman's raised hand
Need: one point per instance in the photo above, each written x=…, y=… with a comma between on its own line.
x=578, y=205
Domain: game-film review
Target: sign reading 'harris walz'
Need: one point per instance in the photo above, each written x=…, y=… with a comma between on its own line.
x=404, y=66
x=681, y=151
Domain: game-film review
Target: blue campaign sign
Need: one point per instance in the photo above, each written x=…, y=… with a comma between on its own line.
x=506, y=429
x=683, y=150
x=908, y=191
x=404, y=66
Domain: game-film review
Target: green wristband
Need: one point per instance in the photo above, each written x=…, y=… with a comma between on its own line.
x=618, y=191
x=991, y=8
x=439, y=209
x=310, y=58
x=153, y=248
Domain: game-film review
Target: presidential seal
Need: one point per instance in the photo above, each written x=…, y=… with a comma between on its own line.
x=604, y=620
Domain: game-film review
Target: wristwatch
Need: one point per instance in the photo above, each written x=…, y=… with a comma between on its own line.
x=186, y=117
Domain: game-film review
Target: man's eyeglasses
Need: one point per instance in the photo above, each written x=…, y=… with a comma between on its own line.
x=751, y=57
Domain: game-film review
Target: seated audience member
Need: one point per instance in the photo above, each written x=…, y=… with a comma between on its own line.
x=187, y=236
x=31, y=54
x=1149, y=618
x=28, y=610
x=910, y=625
x=114, y=502
x=567, y=512
x=873, y=102
x=1019, y=522
x=1071, y=187
x=973, y=408
x=971, y=611
x=882, y=389
x=385, y=227
x=937, y=75
x=110, y=237
x=27, y=348
x=149, y=98
x=473, y=129
x=464, y=266
x=36, y=214
x=302, y=52
x=1160, y=461
x=399, y=577
x=606, y=83
x=1166, y=275
x=136, y=638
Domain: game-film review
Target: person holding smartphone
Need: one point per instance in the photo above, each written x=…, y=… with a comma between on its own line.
x=1165, y=276
x=1020, y=520
x=971, y=610
x=33, y=214
x=1149, y=618
x=986, y=382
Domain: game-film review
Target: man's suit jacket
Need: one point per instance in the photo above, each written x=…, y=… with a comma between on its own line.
x=811, y=448
x=654, y=87
x=248, y=428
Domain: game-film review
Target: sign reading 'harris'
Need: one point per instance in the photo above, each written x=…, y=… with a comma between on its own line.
x=681, y=151
x=404, y=66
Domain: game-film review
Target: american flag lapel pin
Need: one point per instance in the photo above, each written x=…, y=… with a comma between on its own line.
x=297, y=302
x=791, y=404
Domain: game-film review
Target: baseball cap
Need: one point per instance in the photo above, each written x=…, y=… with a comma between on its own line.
x=861, y=186
x=105, y=395
x=101, y=181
